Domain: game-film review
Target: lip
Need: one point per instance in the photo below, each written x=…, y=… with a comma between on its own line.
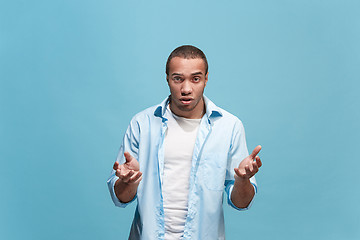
x=186, y=101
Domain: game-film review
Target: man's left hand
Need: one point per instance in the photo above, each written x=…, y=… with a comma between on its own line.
x=249, y=166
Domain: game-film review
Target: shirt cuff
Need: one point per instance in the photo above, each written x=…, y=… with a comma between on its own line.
x=111, y=183
x=230, y=188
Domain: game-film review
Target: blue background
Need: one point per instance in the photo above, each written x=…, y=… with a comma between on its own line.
x=73, y=73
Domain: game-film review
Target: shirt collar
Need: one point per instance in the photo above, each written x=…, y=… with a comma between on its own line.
x=212, y=111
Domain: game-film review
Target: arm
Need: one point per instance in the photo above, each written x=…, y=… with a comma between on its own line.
x=243, y=191
x=129, y=178
x=129, y=149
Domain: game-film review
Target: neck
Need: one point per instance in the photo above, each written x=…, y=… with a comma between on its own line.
x=196, y=113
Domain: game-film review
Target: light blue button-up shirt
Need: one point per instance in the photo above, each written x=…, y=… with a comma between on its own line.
x=219, y=148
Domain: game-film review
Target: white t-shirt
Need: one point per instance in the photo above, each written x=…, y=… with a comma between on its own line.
x=178, y=146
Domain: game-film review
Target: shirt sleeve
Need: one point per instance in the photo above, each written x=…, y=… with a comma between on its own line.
x=130, y=144
x=229, y=188
x=238, y=151
x=111, y=182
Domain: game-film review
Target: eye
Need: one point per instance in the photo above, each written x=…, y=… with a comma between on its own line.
x=177, y=79
x=196, y=79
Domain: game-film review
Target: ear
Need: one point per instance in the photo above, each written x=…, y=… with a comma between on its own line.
x=206, y=78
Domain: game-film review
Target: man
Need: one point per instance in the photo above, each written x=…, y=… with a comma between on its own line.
x=177, y=158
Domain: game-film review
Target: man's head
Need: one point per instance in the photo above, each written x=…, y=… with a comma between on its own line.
x=187, y=52
x=187, y=75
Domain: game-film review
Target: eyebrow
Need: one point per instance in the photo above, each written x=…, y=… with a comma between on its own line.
x=176, y=74
x=179, y=74
x=197, y=73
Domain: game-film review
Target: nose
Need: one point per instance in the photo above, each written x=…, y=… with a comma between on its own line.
x=186, y=88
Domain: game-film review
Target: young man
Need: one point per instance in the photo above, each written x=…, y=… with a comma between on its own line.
x=177, y=158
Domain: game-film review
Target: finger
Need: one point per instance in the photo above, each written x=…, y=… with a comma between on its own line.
x=255, y=152
x=239, y=173
x=258, y=161
x=121, y=171
x=127, y=176
x=135, y=177
x=128, y=157
x=138, y=180
x=247, y=170
x=251, y=166
x=255, y=168
x=118, y=173
x=116, y=165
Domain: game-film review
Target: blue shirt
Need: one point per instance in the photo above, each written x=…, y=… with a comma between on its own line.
x=220, y=146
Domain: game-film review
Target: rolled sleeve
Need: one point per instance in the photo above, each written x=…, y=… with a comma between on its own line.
x=229, y=189
x=111, y=183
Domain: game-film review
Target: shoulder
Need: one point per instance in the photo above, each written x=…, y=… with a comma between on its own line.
x=219, y=114
x=146, y=115
x=229, y=116
x=142, y=121
x=229, y=119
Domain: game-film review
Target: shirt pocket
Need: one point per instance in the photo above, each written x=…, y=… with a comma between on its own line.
x=214, y=172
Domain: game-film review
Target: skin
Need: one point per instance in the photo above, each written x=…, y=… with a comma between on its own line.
x=187, y=80
x=243, y=191
x=129, y=178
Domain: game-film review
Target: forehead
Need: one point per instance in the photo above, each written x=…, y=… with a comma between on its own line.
x=186, y=66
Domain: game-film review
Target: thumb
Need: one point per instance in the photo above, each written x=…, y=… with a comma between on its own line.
x=128, y=157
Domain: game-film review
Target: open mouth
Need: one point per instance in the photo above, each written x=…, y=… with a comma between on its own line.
x=186, y=101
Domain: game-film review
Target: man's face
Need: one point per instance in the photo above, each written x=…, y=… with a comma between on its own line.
x=187, y=80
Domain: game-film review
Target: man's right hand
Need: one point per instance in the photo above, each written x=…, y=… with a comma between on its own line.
x=128, y=172
x=129, y=178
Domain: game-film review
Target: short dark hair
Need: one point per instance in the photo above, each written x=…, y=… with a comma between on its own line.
x=187, y=52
